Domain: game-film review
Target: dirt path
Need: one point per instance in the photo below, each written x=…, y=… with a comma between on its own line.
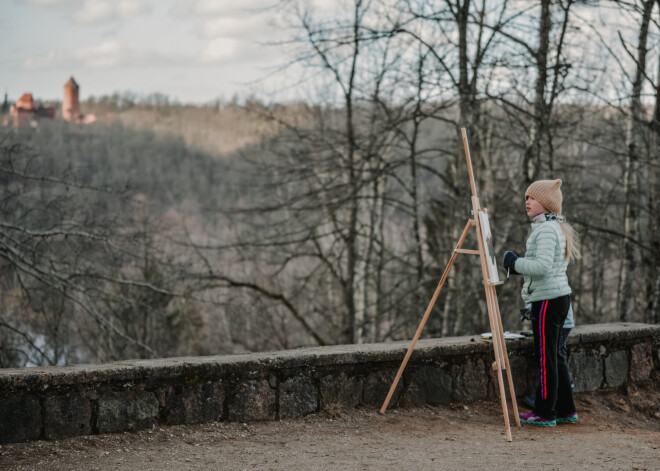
x=614, y=432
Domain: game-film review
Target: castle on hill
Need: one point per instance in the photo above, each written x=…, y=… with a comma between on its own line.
x=27, y=111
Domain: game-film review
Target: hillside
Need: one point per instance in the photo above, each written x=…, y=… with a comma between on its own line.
x=218, y=129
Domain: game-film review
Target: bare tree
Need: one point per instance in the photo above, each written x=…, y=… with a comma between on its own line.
x=631, y=174
x=653, y=207
x=80, y=282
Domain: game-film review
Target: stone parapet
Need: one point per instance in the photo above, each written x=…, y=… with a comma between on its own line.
x=58, y=402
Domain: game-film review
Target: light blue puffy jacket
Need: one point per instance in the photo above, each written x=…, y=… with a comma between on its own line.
x=569, y=323
x=544, y=265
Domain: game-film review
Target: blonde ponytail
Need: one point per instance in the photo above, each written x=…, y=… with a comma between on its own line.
x=572, y=243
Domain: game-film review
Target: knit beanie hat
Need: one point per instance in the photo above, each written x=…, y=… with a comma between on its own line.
x=547, y=193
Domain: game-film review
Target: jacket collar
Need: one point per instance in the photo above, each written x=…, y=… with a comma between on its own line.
x=540, y=218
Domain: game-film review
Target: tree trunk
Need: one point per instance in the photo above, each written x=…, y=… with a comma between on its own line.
x=630, y=177
x=653, y=171
x=532, y=159
x=355, y=324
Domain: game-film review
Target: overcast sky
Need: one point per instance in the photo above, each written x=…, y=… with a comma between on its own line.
x=191, y=50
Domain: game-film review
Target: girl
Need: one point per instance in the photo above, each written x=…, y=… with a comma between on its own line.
x=550, y=246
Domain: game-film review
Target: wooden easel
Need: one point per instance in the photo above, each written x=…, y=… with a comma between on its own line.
x=499, y=346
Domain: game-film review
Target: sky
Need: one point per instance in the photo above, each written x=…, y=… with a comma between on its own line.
x=194, y=51
x=191, y=50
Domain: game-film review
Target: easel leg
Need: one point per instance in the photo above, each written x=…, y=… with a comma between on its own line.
x=498, y=340
x=425, y=318
x=505, y=354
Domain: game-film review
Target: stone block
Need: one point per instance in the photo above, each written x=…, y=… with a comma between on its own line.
x=252, y=400
x=518, y=366
x=471, y=383
x=429, y=385
x=298, y=397
x=616, y=368
x=641, y=361
x=340, y=390
x=20, y=419
x=67, y=416
x=587, y=371
x=195, y=403
x=376, y=387
x=518, y=373
x=533, y=374
x=126, y=411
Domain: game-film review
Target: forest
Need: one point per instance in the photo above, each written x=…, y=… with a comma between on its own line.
x=169, y=229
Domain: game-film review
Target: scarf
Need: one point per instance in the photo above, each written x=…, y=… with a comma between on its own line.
x=539, y=218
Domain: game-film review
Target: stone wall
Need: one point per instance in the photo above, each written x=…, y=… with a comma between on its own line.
x=59, y=402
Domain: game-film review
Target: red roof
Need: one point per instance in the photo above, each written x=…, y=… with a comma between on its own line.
x=25, y=101
x=71, y=83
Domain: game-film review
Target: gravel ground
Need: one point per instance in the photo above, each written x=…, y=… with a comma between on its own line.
x=616, y=431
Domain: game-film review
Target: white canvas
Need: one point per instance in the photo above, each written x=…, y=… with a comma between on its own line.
x=493, y=276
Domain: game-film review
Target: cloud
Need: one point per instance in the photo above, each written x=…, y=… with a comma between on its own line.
x=323, y=6
x=111, y=53
x=106, y=54
x=220, y=50
x=224, y=7
x=95, y=11
x=205, y=9
x=235, y=52
x=234, y=27
x=46, y=3
x=47, y=61
x=242, y=8
x=92, y=11
x=128, y=8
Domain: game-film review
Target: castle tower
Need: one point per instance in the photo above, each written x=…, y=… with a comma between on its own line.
x=70, y=105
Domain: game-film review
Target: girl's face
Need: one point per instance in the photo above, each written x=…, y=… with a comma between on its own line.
x=533, y=207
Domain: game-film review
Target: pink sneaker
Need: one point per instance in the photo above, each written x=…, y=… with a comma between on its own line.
x=532, y=419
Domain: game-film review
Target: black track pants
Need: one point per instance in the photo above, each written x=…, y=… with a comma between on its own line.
x=554, y=395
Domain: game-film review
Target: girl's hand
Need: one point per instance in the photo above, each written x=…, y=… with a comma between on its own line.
x=509, y=262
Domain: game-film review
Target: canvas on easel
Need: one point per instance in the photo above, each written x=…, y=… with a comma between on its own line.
x=487, y=238
x=490, y=280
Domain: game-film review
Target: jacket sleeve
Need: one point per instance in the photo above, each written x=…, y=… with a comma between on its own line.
x=546, y=242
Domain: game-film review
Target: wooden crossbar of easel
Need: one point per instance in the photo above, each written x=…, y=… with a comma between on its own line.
x=499, y=346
